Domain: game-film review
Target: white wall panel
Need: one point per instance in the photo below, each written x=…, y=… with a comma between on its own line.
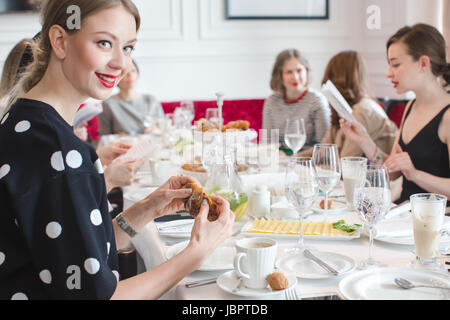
x=187, y=49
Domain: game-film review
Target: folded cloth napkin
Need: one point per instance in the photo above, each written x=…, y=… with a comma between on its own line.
x=181, y=227
x=149, y=246
x=398, y=210
x=400, y=228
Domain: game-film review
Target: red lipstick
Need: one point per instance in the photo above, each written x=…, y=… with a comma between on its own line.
x=107, y=80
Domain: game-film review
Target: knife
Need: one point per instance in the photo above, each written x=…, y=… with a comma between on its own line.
x=200, y=283
x=321, y=263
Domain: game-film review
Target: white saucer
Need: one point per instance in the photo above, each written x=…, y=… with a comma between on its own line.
x=302, y=267
x=228, y=282
x=220, y=259
x=336, y=207
x=378, y=284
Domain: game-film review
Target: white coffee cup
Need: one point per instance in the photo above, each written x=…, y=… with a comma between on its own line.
x=255, y=260
x=162, y=170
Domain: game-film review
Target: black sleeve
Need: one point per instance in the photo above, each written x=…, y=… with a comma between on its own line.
x=69, y=236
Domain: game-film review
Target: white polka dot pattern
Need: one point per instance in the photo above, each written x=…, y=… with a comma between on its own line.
x=22, y=126
x=2, y=258
x=4, y=170
x=96, y=217
x=19, y=296
x=53, y=230
x=98, y=165
x=91, y=265
x=46, y=276
x=74, y=159
x=57, y=161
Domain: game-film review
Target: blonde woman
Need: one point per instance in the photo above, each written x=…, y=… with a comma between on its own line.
x=294, y=98
x=348, y=73
x=57, y=240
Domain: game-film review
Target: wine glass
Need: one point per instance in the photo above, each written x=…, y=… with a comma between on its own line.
x=189, y=110
x=212, y=114
x=295, y=134
x=327, y=169
x=372, y=202
x=301, y=189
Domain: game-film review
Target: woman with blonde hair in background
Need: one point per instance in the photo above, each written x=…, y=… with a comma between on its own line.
x=57, y=240
x=348, y=73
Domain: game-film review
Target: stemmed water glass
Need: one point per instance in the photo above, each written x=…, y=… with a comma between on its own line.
x=327, y=168
x=212, y=114
x=301, y=189
x=372, y=202
x=295, y=134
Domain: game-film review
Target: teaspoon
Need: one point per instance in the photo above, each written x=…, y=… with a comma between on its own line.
x=405, y=284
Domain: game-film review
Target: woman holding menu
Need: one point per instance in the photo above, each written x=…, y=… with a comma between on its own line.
x=348, y=73
x=417, y=62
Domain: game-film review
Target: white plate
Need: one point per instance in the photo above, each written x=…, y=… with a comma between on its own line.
x=378, y=284
x=220, y=259
x=176, y=229
x=303, y=267
x=249, y=224
x=228, y=282
x=336, y=207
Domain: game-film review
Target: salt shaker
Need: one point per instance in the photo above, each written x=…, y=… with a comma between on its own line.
x=260, y=201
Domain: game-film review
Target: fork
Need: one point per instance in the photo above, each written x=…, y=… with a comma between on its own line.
x=291, y=294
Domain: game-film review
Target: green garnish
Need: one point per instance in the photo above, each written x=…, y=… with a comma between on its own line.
x=341, y=225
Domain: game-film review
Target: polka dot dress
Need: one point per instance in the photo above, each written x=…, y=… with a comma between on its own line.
x=56, y=234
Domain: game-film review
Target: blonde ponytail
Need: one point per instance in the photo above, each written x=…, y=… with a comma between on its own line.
x=34, y=72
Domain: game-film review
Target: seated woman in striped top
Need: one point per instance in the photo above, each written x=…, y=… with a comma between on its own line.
x=294, y=99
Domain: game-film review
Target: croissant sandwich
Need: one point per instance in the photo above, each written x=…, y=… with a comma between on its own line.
x=194, y=202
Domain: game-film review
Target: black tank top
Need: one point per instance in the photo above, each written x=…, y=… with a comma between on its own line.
x=427, y=153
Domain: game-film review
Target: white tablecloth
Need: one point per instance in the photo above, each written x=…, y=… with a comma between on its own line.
x=151, y=246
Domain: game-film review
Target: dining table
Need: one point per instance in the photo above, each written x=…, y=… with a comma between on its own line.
x=155, y=244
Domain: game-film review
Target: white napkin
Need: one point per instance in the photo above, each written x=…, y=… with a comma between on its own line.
x=143, y=149
x=184, y=227
x=398, y=210
x=149, y=246
x=400, y=228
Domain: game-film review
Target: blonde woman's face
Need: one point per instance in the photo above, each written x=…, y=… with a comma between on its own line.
x=99, y=54
x=294, y=75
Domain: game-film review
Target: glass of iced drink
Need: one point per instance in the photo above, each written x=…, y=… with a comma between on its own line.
x=428, y=211
x=354, y=176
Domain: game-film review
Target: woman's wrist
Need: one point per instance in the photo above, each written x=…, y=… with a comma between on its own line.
x=138, y=215
x=368, y=147
x=195, y=252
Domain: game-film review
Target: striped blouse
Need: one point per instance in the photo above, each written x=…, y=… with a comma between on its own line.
x=313, y=108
